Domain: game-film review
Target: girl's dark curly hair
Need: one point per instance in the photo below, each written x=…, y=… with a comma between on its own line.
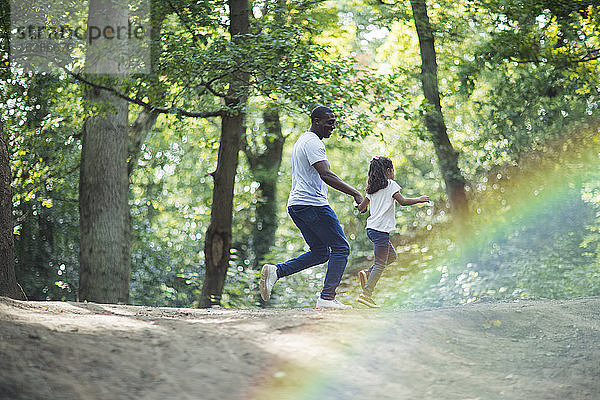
x=378, y=179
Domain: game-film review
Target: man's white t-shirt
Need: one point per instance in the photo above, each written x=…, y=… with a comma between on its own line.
x=383, y=208
x=307, y=186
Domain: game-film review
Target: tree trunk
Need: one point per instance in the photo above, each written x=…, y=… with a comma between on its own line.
x=265, y=170
x=103, y=183
x=103, y=204
x=217, y=243
x=434, y=119
x=8, y=282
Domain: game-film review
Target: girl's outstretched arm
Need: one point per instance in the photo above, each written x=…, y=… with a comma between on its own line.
x=409, y=201
x=362, y=207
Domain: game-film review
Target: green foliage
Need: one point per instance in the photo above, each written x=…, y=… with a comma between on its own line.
x=42, y=128
x=558, y=32
x=540, y=257
x=170, y=198
x=521, y=83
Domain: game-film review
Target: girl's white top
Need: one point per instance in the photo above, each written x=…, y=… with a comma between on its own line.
x=383, y=208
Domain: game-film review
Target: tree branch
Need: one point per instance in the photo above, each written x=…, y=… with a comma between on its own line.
x=591, y=55
x=64, y=199
x=207, y=85
x=148, y=106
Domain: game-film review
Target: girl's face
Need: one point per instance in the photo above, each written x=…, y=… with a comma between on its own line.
x=390, y=173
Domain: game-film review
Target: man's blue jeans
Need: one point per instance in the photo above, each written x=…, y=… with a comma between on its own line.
x=384, y=255
x=325, y=237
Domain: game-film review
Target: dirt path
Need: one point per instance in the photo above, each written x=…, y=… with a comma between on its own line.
x=518, y=350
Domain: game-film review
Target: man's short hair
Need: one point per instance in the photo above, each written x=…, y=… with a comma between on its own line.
x=320, y=112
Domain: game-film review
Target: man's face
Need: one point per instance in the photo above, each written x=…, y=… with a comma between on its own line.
x=327, y=125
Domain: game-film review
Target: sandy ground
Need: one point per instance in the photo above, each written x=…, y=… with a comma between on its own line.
x=517, y=350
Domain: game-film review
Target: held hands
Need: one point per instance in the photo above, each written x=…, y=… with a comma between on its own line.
x=357, y=198
x=363, y=205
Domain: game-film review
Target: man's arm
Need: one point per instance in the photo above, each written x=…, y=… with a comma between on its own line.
x=362, y=207
x=335, y=182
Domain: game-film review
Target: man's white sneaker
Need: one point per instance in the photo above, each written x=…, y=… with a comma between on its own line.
x=322, y=303
x=268, y=277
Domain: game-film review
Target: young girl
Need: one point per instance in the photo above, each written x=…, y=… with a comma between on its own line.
x=382, y=192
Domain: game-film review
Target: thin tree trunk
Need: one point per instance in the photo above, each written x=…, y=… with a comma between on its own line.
x=265, y=170
x=434, y=119
x=265, y=167
x=138, y=132
x=146, y=119
x=8, y=282
x=103, y=184
x=217, y=245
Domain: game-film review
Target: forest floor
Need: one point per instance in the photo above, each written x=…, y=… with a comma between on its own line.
x=532, y=349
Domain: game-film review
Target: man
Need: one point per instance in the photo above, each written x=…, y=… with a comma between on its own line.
x=310, y=211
